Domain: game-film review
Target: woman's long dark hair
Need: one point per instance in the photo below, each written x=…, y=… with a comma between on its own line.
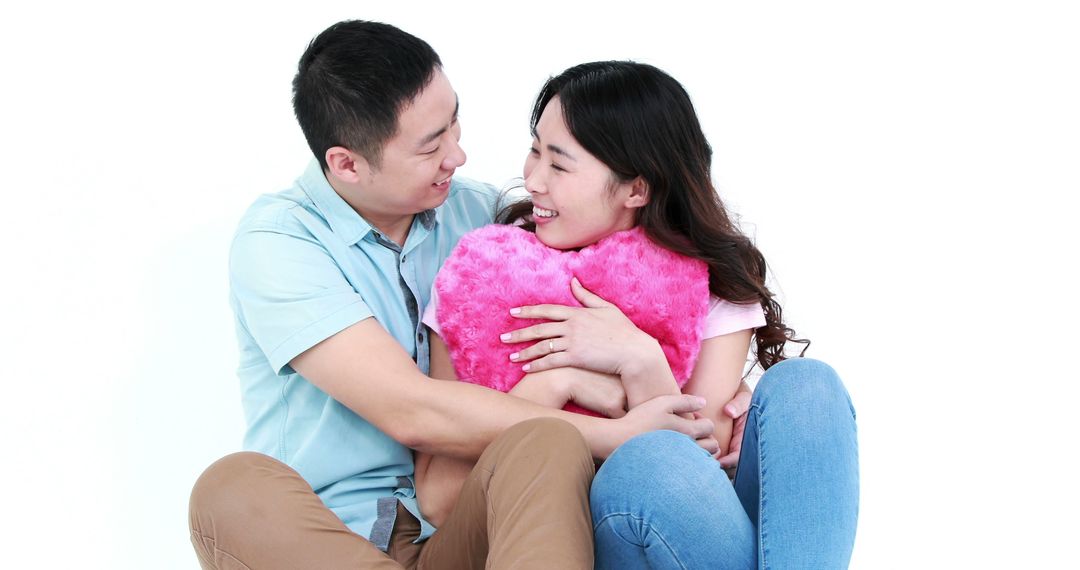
x=639, y=121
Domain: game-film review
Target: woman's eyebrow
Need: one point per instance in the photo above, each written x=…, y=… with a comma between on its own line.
x=555, y=149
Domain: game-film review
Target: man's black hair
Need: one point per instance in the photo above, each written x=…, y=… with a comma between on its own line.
x=352, y=82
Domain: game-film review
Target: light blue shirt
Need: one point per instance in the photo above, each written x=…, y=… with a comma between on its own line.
x=304, y=266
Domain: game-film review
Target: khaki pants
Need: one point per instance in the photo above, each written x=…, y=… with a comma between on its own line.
x=525, y=505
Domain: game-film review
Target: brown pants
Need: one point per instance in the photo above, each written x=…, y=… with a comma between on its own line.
x=525, y=505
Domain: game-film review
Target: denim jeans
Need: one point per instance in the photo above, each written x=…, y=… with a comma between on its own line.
x=660, y=501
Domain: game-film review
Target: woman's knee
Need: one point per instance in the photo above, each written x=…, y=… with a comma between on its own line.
x=803, y=382
x=652, y=446
x=657, y=459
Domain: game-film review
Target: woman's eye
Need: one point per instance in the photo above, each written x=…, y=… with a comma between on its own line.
x=432, y=151
x=557, y=167
x=533, y=151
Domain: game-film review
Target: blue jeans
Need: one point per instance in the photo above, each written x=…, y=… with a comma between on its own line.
x=660, y=501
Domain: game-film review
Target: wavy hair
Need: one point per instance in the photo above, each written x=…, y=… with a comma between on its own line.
x=639, y=121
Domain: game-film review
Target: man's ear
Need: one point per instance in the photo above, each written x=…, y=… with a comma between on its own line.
x=639, y=193
x=347, y=166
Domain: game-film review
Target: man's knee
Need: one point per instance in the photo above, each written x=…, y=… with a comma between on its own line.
x=230, y=489
x=549, y=432
x=551, y=438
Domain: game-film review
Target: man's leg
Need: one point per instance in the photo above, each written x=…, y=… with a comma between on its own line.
x=798, y=474
x=249, y=510
x=525, y=505
x=661, y=502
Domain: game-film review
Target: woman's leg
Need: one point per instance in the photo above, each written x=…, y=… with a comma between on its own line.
x=660, y=501
x=798, y=474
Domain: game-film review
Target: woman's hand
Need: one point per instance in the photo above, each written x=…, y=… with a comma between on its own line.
x=736, y=409
x=596, y=391
x=597, y=336
x=602, y=393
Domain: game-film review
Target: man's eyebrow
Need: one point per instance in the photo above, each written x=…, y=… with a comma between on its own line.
x=439, y=133
x=553, y=148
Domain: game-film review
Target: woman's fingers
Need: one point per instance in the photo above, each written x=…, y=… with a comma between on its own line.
x=730, y=461
x=586, y=297
x=556, y=360
x=547, y=312
x=534, y=332
x=708, y=444
x=738, y=405
x=540, y=349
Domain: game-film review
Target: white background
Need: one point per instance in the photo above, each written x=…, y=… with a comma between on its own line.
x=909, y=170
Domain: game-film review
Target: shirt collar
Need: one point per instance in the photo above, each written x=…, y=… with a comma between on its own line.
x=343, y=219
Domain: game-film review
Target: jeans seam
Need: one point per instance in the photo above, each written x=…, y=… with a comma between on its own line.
x=759, y=421
x=659, y=536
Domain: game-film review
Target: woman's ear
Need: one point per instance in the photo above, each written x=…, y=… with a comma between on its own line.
x=639, y=193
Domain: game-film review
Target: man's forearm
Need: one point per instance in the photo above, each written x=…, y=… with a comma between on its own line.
x=460, y=420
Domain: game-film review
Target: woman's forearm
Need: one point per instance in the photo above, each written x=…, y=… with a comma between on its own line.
x=648, y=377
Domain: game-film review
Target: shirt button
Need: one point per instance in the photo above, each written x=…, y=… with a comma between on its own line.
x=403, y=259
x=420, y=337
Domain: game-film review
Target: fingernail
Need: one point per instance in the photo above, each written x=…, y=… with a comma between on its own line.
x=526, y=367
x=504, y=336
x=730, y=410
x=515, y=311
x=514, y=355
x=700, y=401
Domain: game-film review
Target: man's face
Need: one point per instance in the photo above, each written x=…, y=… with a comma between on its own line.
x=419, y=160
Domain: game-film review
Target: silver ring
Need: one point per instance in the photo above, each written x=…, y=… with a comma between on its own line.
x=551, y=346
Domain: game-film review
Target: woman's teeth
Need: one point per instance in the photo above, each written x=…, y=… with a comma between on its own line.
x=542, y=213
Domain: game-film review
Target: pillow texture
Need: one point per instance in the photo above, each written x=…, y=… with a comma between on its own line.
x=498, y=267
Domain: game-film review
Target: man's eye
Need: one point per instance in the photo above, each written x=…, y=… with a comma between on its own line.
x=557, y=167
x=432, y=151
x=533, y=151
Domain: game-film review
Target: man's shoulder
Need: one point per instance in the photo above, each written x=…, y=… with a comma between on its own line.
x=275, y=212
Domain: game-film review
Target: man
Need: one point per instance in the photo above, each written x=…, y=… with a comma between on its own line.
x=329, y=279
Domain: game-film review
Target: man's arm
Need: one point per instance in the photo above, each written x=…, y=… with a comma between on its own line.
x=365, y=369
x=439, y=478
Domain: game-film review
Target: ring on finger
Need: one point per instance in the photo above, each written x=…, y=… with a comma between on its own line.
x=551, y=346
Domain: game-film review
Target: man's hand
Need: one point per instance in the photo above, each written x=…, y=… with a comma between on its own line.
x=736, y=409
x=663, y=412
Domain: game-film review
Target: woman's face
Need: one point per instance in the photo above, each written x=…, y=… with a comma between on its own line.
x=576, y=199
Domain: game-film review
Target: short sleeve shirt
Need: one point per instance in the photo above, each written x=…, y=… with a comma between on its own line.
x=304, y=266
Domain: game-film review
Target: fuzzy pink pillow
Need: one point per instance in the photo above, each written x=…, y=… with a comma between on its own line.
x=498, y=267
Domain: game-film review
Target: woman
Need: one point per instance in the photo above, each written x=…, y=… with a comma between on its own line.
x=618, y=146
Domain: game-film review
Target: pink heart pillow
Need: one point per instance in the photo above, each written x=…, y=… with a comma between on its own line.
x=498, y=267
